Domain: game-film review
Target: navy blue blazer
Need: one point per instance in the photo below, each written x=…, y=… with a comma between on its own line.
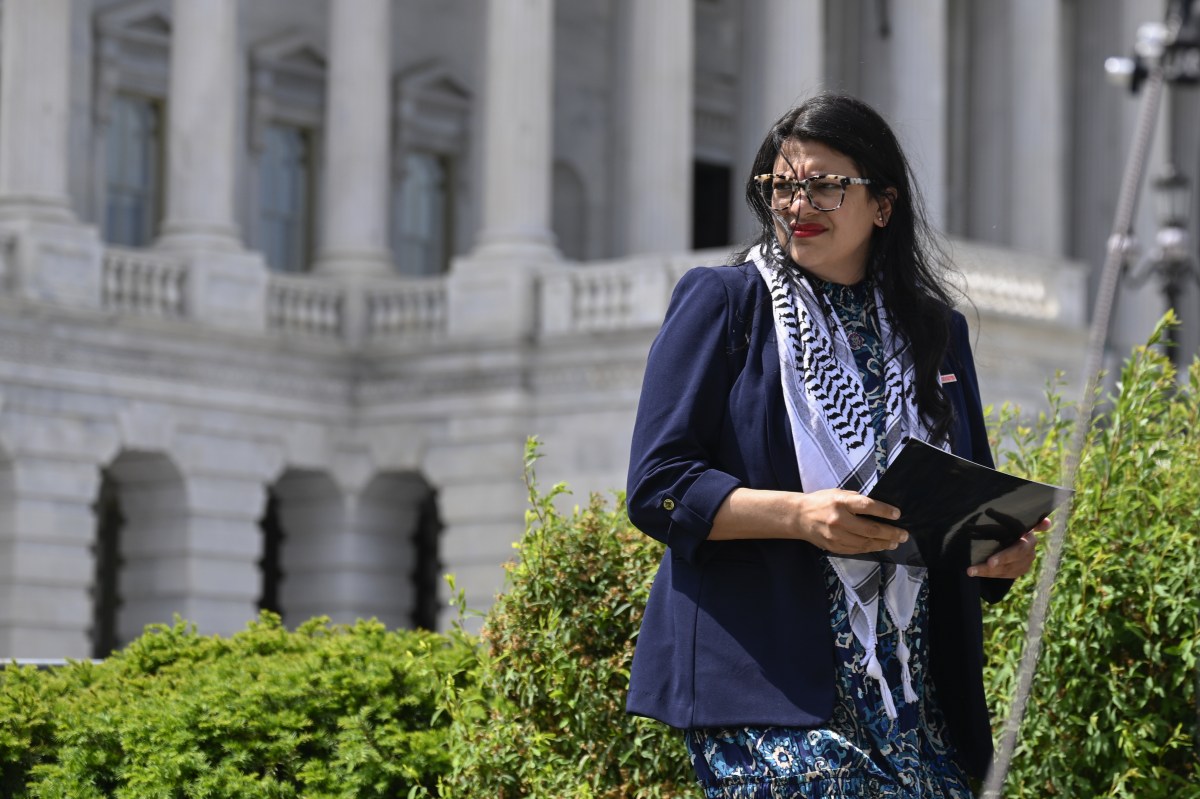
x=737, y=633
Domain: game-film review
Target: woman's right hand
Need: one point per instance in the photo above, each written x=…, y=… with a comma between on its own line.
x=832, y=519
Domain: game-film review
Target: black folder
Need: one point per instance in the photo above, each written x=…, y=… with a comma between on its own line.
x=957, y=513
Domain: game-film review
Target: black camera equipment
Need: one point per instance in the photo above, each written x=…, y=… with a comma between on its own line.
x=1172, y=46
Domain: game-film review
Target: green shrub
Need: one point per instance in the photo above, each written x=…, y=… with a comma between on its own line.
x=1113, y=708
x=326, y=711
x=27, y=724
x=547, y=718
x=537, y=710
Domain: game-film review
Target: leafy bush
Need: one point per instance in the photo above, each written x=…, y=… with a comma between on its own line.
x=326, y=711
x=547, y=718
x=537, y=709
x=1113, y=709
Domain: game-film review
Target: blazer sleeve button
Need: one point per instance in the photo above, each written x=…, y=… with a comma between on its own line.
x=668, y=504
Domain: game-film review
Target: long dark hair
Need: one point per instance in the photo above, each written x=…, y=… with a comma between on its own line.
x=905, y=260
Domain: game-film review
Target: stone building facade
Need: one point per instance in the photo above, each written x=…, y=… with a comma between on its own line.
x=285, y=284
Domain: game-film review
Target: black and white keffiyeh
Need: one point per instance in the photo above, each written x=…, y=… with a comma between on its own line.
x=835, y=441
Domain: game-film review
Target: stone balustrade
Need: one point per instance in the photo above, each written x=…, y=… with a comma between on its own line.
x=1018, y=285
x=577, y=300
x=1011, y=294
x=612, y=295
x=599, y=297
x=143, y=283
x=406, y=310
x=633, y=293
x=305, y=305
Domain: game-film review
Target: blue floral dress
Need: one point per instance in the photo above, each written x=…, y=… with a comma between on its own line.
x=861, y=753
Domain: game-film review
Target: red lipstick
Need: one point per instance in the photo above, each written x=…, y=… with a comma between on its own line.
x=807, y=230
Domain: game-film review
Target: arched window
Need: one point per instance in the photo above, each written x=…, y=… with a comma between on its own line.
x=286, y=113
x=429, y=146
x=375, y=556
x=137, y=541
x=133, y=41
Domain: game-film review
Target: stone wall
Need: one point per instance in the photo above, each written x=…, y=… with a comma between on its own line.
x=197, y=428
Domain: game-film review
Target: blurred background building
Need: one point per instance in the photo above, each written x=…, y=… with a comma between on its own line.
x=285, y=284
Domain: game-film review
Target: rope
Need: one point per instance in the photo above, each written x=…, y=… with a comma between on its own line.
x=1118, y=242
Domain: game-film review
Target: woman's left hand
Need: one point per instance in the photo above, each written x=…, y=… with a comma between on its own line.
x=1013, y=561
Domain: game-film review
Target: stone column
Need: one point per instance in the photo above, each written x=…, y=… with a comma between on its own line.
x=517, y=129
x=226, y=284
x=482, y=506
x=35, y=60
x=201, y=126
x=657, y=184
x=921, y=96
x=490, y=294
x=47, y=528
x=357, y=140
x=1038, y=126
x=783, y=63
x=55, y=259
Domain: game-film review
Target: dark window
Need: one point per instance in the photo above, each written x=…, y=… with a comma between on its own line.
x=132, y=162
x=285, y=202
x=269, y=566
x=106, y=598
x=710, y=205
x=427, y=569
x=421, y=229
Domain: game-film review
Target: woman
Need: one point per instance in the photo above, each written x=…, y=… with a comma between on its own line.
x=774, y=395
